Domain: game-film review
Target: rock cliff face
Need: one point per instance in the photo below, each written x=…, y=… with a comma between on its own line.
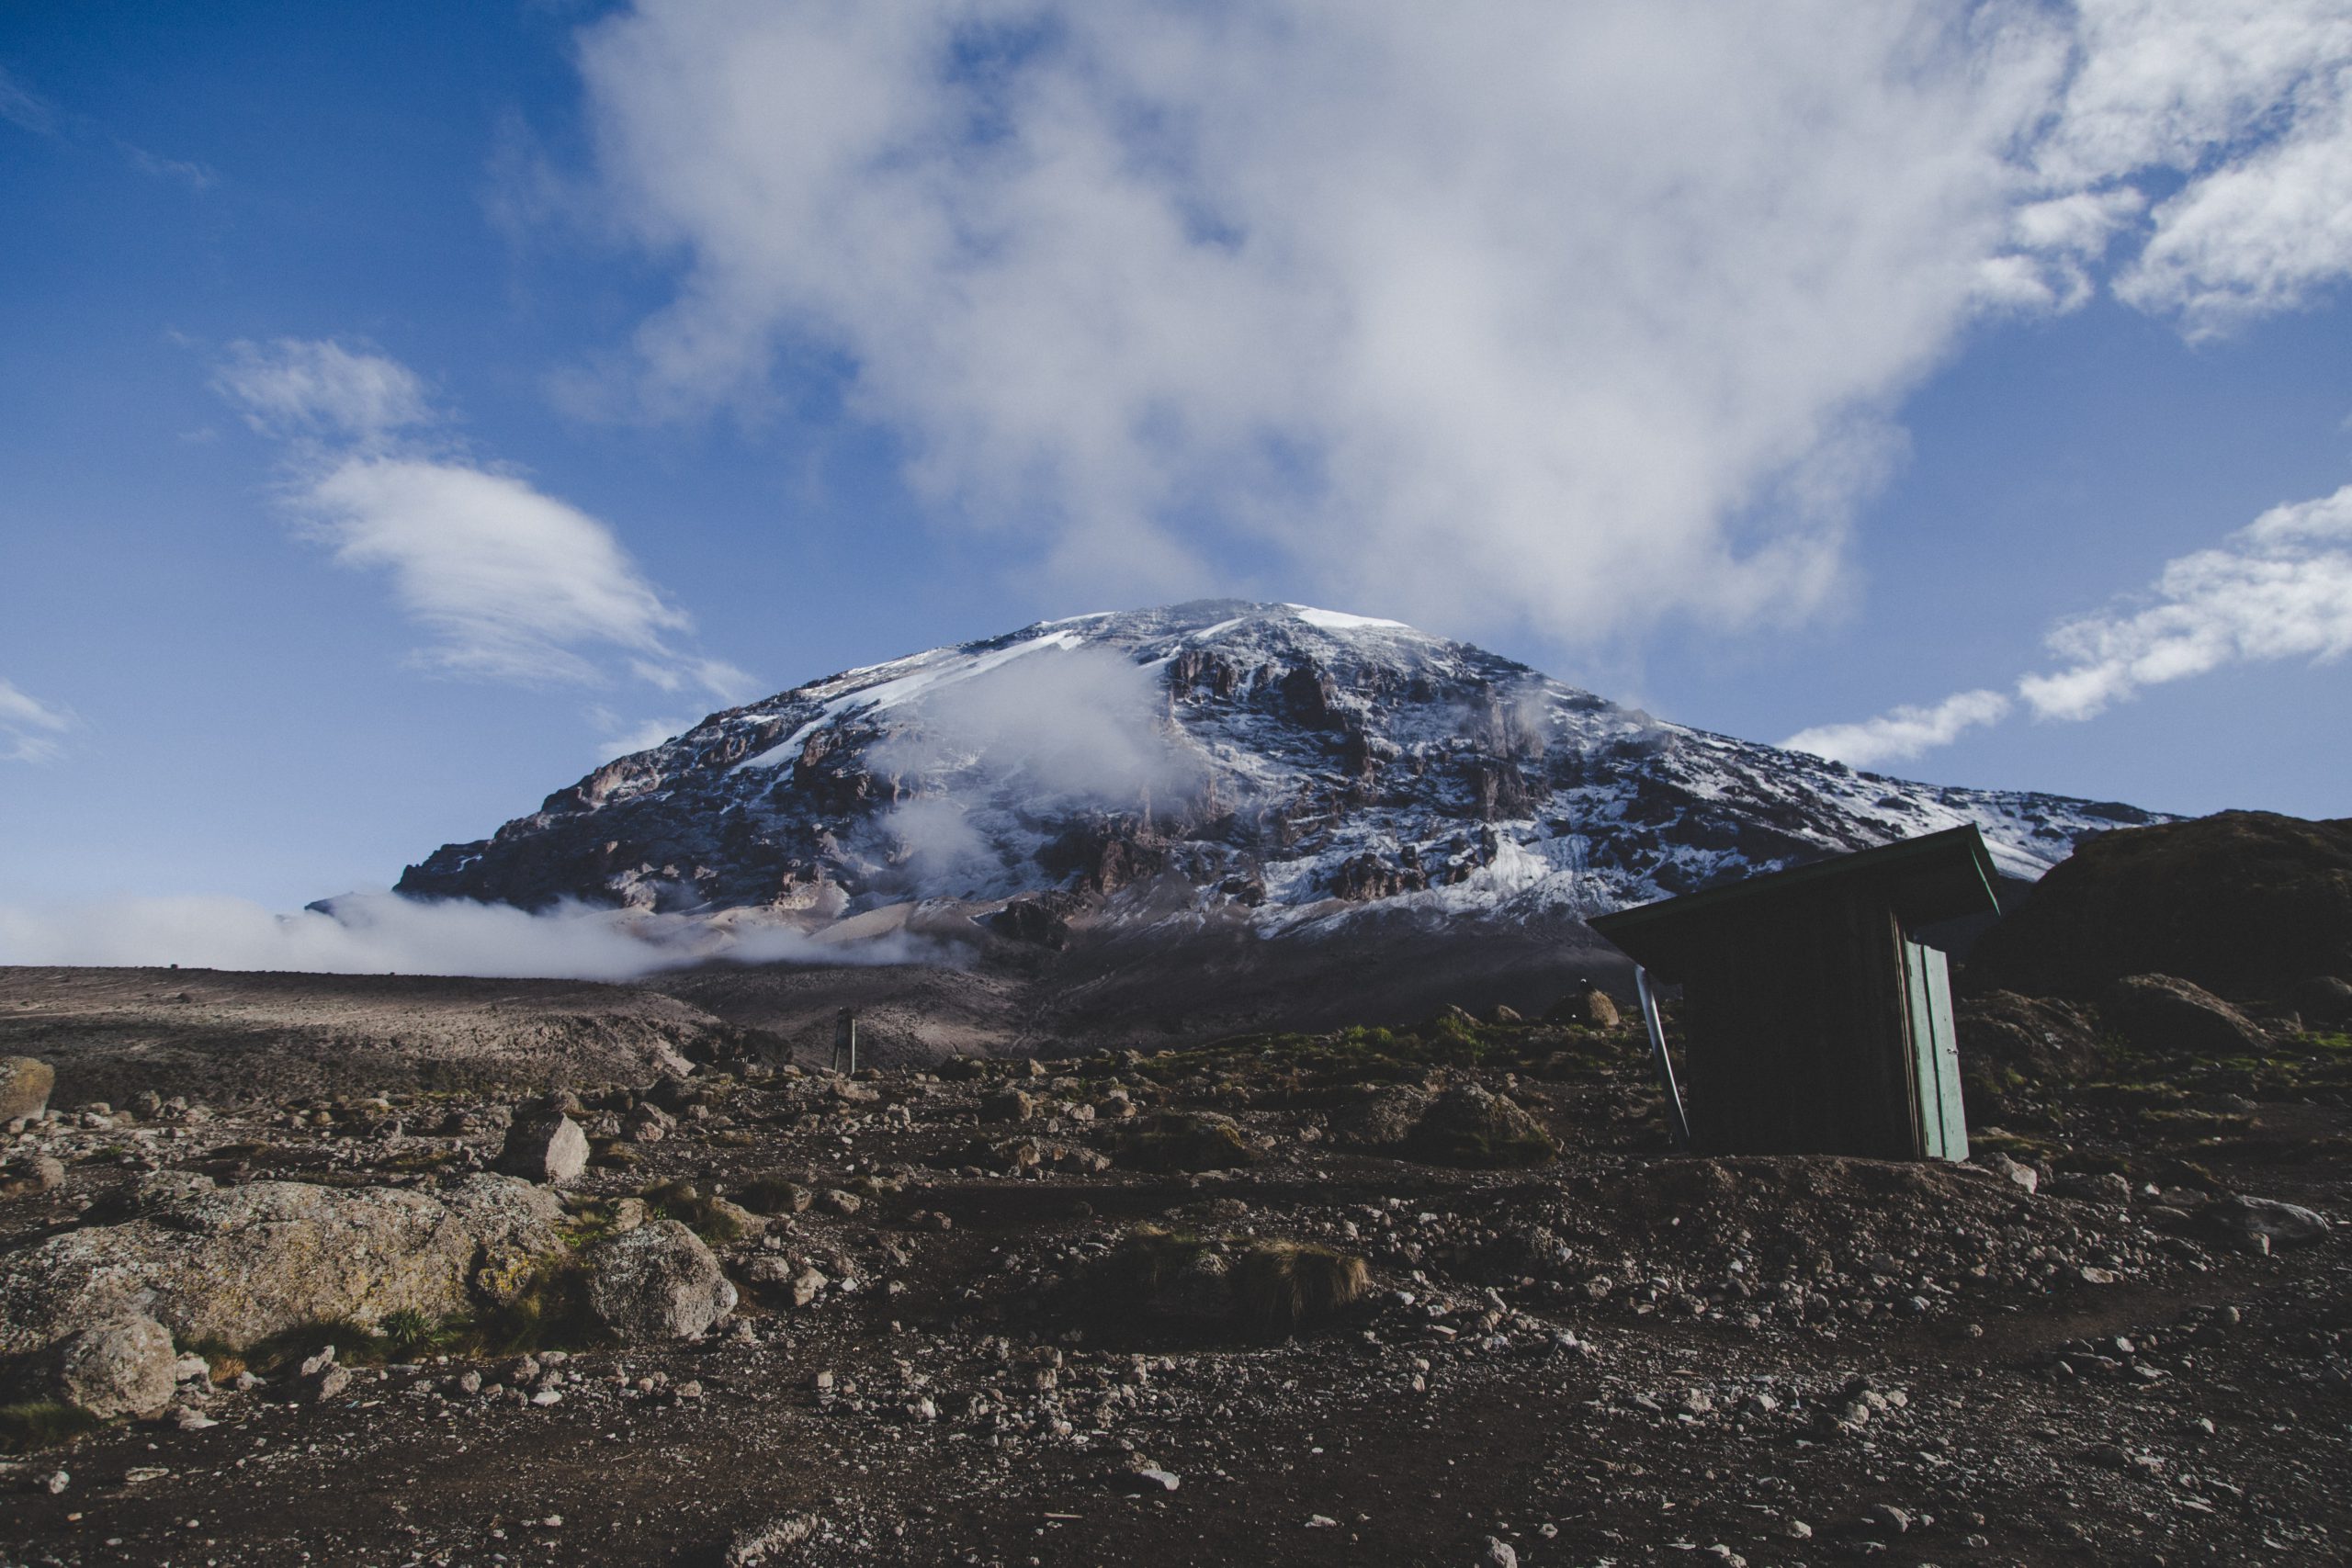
x=1266, y=765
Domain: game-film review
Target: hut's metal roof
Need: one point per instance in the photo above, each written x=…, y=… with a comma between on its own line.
x=1934, y=877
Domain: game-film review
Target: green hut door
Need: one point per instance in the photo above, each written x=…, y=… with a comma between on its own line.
x=1943, y=1121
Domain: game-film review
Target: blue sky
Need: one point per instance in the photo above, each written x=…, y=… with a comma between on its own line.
x=399, y=410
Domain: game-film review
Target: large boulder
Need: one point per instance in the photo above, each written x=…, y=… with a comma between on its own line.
x=238, y=1264
x=2266, y=1222
x=2038, y=1039
x=2162, y=1013
x=658, y=1281
x=1470, y=1125
x=122, y=1367
x=25, y=1085
x=548, y=1147
x=2246, y=903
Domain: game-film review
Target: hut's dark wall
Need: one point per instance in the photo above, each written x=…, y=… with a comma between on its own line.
x=1794, y=1029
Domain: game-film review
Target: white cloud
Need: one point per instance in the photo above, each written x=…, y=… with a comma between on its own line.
x=2280, y=588
x=294, y=386
x=511, y=581
x=625, y=738
x=1902, y=733
x=2246, y=105
x=376, y=933
x=29, y=728
x=1538, y=316
x=515, y=584
x=1577, y=317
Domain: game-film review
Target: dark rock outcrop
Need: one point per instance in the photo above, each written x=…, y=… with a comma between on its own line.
x=2245, y=903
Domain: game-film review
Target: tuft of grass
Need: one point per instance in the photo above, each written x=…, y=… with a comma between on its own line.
x=33, y=1424
x=1177, y=1141
x=1146, y=1259
x=1281, y=1287
x=409, y=1332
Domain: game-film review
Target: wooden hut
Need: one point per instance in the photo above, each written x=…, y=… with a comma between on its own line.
x=1812, y=1022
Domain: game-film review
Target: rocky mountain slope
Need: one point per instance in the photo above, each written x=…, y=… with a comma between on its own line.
x=1258, y=769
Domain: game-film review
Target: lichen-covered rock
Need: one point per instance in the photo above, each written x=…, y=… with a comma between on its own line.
x=658, y=1281
x=1378, y=1118
x=121, y=1367
x=25, y=1085
x=241, y=1263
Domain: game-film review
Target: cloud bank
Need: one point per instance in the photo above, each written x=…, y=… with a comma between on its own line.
x=513, y=584
x=2279, y=588
x=1573, y=317
x=1902, y=733
x=383, y=933
x=29, y=728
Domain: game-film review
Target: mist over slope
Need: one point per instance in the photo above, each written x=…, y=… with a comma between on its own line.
x=1267, y=770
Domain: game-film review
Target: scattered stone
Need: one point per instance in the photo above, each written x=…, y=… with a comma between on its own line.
x=1500, y=1553
x=765, y=1543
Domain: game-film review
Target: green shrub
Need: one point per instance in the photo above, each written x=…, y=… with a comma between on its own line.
x=38, y=1424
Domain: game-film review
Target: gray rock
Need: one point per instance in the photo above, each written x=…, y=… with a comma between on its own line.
x=1007, y=1104
x=25, y=1085
x=238, y=1264
x=549, y=1148
x=2278, y=1224
x=2017, y=1171
x=1500, y=1553
x=2159, y=1013
x=648, y=1124
x=2325, y=1001
x=2104, y=1186
x=658, y=1281
x=122, y=1367
x=805, y=1287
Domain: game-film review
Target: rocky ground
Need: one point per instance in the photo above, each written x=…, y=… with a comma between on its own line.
x=1441, y=1295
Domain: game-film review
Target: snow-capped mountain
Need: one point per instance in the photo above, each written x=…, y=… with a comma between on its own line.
x=1271, y=765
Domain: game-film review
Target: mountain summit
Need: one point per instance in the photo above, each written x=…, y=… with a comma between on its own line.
x=1215, y=763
